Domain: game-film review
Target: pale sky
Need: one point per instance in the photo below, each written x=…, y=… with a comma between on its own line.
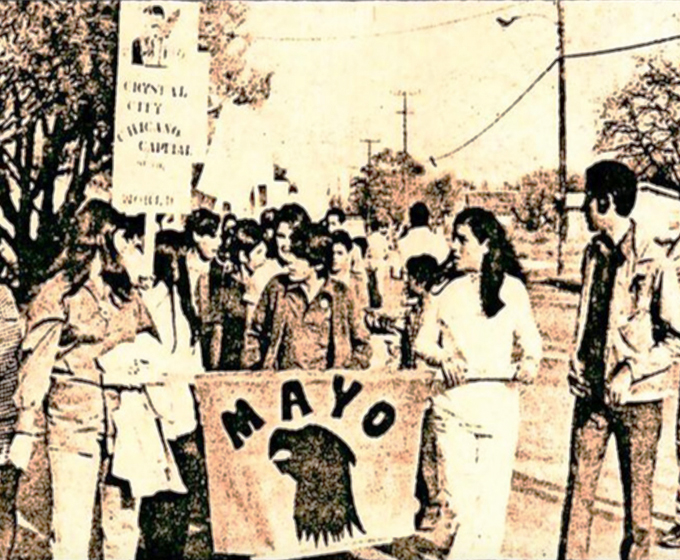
x=330, y=92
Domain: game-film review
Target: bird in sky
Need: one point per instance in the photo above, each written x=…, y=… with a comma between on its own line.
x=505, y=22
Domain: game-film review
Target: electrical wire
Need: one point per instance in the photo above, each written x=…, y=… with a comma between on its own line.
x=613, y=50
x=584, y=54
x=500, y=115
x=429, y=27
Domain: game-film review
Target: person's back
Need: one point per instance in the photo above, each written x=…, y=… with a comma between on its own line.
x=423, y=241
x=420, y=239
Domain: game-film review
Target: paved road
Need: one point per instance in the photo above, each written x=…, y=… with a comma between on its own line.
x=541, y=468
x=542, y=455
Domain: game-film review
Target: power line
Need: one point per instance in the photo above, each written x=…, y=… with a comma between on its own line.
x=500, y=115
x=319, y=39
x=613, y=50
x=584, y=54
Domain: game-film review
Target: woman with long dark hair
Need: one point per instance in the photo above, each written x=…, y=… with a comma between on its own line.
x=164, y=517
x=469, y=331
x=241, y=290
x=87, y=307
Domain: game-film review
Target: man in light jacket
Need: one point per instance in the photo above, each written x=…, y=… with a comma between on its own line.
x=619, y=374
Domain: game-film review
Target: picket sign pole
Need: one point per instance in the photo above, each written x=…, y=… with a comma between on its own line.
x=149, y=240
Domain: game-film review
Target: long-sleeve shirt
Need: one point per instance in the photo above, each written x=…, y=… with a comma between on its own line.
x=423, y=241
x=67, y=332
x=288, y=331
x=171, y=360
x=454, y=326
x=643, y=308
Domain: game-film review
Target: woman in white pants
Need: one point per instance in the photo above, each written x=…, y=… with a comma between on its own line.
x=469, y=331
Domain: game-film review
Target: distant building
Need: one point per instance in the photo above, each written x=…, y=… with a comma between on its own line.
x=657, y=212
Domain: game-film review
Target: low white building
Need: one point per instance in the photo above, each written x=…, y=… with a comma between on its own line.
x=656, y=212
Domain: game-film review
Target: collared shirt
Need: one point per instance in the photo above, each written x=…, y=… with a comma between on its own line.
x=606, y=260
x=643, y=307
x=307, y=342
x=281, y=324
x=66, y=337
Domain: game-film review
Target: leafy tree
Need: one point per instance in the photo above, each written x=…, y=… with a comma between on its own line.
x=440, y=196
x=232, y=79
x=57, y=85
x=57, y=63
x=336, y=202
x=538, y=193
x=386, y=187
x=641, y=122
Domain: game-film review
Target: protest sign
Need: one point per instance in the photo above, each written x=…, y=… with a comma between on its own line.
x=303, y=463
x=161, y=104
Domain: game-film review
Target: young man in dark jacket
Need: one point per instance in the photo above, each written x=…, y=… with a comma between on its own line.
x=304, y=319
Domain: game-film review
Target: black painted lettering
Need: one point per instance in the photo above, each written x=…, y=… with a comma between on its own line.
x=240, y=424
x=343, y=398
x=292, y=394
x=379, y=419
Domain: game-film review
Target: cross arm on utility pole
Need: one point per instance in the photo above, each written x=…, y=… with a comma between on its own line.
x=369, y=144
x=404, y=114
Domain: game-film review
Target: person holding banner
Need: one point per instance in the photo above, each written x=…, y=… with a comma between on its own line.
x=304, y=319
x=86, y=308
x=468, y=331
x=164, y=517
x=289, y=218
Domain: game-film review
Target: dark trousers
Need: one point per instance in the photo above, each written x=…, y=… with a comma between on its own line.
x=428, y=487
x=677, y=456
x=9, y=480
x=636, y=429
x=164, y=518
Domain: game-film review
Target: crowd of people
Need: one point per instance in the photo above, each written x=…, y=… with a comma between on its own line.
x=100, y=364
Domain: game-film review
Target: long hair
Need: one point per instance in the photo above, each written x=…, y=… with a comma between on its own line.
x=246, y=236
x=499, y=260
x=88, y=235
x=169, y=267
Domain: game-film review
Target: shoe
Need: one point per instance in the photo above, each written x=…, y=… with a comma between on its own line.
x=670, y=538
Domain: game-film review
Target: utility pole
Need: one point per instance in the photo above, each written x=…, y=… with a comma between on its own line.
x=405, y=113
x=562, y=139
x=369, y=144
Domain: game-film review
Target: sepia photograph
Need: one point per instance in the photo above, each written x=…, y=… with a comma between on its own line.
x=332, y=280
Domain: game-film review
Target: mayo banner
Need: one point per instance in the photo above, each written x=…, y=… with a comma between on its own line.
x=161, y=106
x=303, y=463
